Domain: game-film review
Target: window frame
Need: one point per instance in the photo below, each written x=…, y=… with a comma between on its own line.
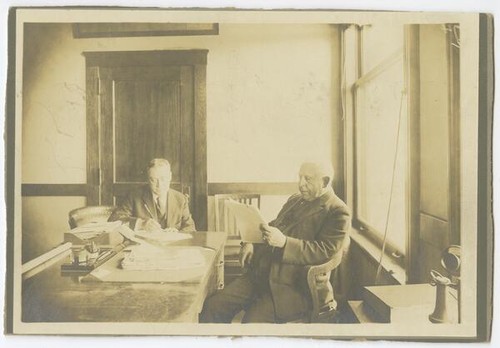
x=351, y=74
x=397, y=255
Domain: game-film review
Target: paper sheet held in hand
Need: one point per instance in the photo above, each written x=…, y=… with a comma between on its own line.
x=248, y=221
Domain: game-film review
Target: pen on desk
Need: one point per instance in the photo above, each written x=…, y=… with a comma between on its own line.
x=104, y=255
x=149, y=211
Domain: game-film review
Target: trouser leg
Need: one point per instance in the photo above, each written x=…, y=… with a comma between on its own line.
x=225, y=304
x=261, y=311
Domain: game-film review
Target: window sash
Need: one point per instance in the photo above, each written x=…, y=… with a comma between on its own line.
x=376, y=234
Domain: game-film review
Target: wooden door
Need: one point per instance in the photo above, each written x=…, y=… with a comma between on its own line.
x=148, y=105
x=434, y=147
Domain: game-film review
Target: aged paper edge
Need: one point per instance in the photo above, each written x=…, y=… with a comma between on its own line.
x=470, y=45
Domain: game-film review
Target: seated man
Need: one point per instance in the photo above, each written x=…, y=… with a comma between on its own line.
x=156, y=206
x=310, y=228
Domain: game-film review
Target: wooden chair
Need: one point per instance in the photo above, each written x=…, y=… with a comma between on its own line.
x=318, y=275
x=85, y=215
x=224, y=221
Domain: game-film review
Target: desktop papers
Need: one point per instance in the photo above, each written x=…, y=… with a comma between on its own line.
x=126, y=232
x=248, y=221
x=141, y=237
x=143, y=258
x=94, y=229
x=146, y=263
x=162, y=236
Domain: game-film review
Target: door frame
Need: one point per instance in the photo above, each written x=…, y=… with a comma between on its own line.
x=197, y=59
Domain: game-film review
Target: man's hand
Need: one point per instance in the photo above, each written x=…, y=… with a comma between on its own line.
x=171, y=229
x=246, y=254
x=273, y=236
x=151, y=225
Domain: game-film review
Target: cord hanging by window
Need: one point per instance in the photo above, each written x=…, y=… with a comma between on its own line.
x=386, y=229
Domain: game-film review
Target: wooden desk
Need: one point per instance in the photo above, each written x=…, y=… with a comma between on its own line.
x=51, y=297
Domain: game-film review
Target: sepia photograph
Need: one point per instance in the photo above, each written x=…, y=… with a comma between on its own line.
x=219, y=172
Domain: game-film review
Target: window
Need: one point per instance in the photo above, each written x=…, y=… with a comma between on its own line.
x=380, y=135
x=402, y=107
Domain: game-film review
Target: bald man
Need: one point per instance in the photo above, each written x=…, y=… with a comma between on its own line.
x=310, y=229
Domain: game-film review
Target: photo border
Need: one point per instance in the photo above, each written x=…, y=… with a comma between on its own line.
x=484, y=216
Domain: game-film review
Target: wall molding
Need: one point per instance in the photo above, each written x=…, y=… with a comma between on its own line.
x=34, y=190
x=264, y=188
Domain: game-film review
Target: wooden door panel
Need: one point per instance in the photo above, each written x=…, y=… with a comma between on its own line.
x=187, y=149
x=147, y=125
x=146, y=111
x=147, y=104
x=120, y=191
x=145, y=114
x=141, y=73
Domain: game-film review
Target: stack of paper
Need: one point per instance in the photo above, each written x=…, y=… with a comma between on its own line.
x=102, y=233
x=141, y=237
x=162, y=236
x=129, y=234
x=94, y=229
x=143, y=258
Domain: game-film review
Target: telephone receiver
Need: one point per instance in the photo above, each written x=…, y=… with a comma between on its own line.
x=450, y=260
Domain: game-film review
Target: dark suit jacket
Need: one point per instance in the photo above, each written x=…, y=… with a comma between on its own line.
x=134, y=206
x=312, y=238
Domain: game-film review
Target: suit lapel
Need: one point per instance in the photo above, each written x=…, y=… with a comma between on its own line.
x=316, y=207
x=149, y=205
x=290, y=206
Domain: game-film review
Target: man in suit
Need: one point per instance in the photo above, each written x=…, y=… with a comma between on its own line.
x=156, y=206
x=310, y=229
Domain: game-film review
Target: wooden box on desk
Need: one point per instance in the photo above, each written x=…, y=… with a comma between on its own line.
x=400, y=303
x=110, y=238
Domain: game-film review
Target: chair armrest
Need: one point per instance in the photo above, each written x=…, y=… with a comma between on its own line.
x=317, y=273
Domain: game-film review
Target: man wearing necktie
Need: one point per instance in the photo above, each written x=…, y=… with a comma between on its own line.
x=310, y=229
x=156, y=206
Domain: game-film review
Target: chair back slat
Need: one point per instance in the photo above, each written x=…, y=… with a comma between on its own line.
x=224, y=219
